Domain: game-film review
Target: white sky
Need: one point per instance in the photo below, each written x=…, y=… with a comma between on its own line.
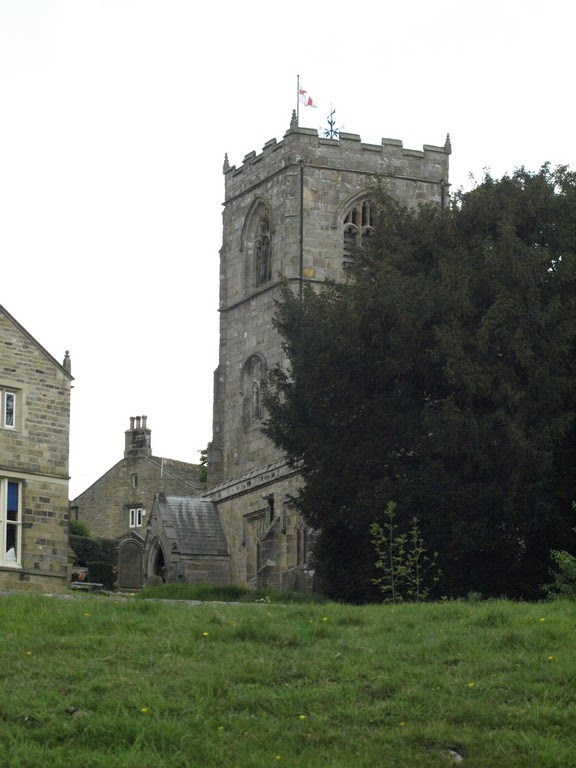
x=114, y=119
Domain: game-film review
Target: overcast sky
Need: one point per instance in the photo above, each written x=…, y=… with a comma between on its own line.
x=115, y=117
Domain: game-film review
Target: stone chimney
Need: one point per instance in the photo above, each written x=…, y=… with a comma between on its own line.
x=138, y=438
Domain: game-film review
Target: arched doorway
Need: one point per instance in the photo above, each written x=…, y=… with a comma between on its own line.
x=157, y=562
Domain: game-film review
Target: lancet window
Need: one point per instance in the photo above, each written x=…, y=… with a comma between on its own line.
x=258, y=246
x=263, y=251
x=253, y=375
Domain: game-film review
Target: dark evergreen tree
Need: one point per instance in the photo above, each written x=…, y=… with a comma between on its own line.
x=441, y=377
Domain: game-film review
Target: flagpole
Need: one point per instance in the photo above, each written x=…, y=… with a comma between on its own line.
x=297, y=100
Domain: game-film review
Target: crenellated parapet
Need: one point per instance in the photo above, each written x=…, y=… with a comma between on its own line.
x=388, y=159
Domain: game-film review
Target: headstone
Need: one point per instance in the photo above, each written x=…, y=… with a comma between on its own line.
x=130, y=570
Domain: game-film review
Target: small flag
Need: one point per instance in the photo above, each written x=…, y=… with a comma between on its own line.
x=306, y=99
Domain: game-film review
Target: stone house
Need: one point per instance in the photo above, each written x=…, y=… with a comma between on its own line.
x=118, y=505
x=34, y=448
x=293, y=214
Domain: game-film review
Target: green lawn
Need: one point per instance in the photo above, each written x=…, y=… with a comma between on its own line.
x=99, y=682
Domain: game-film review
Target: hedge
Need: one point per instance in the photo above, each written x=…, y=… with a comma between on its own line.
x=102, y=573
x=94, y=550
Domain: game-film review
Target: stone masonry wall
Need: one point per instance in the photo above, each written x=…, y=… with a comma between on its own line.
x=104, y=506
x=245, y=517
x=44, y=539
x=201, y=570
x=35, y=453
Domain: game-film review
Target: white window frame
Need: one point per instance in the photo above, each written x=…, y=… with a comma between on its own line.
x=136, y=517
x=5, y=394
x=15, y=561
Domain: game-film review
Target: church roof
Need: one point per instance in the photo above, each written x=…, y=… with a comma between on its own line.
x=192, y=524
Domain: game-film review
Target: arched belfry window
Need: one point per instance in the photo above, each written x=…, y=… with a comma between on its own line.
x=358, y=226
x=258, y=246
x=253, y=377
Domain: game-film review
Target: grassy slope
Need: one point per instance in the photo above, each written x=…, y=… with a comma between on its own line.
x=158, y=684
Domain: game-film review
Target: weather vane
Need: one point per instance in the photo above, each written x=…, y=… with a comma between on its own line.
x=331, y=132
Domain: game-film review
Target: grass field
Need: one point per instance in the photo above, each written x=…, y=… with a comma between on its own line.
x=224, y=593
x=148, y=684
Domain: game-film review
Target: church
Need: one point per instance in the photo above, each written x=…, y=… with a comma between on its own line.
x=293, y=213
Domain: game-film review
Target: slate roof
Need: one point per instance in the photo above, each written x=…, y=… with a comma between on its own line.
x=193, y=524
x=181, y=470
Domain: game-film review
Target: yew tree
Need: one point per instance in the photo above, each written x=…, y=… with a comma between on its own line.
x=441, y=377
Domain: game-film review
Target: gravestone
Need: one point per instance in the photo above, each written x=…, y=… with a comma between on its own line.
x=130, y=566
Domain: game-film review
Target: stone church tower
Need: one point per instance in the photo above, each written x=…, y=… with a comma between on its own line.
x=296, y=211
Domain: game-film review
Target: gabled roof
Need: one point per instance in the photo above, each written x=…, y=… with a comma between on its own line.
x=39, y=346
x=191, y=524
x=180, y=470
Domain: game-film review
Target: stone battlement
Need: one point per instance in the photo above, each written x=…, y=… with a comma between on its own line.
x=389, y=158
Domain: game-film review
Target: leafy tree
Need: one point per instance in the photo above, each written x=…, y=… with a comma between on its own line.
x=442, y=375
x=78, y=528
x=203, y=466
x=563, y=573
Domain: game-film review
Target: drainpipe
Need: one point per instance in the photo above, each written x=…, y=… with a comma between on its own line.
x=301, y=287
